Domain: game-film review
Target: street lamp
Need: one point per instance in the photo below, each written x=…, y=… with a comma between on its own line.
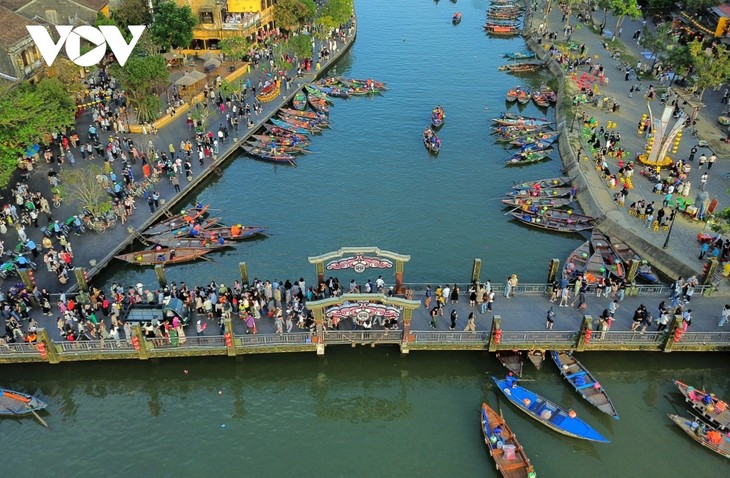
x=671, y=225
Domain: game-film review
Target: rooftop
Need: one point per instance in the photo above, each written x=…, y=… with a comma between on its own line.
x=12, y=27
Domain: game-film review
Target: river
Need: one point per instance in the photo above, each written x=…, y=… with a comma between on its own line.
x=362, y=411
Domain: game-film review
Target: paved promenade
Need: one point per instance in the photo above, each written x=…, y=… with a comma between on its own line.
x=683, y=246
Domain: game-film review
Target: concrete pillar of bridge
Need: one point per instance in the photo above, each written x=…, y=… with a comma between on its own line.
x=399, y=266
x=318, y=337
x=27, y=276
x=585, y=334
x=677, y=324
x=407, y=316
x=495, y=337
x=633, y=270
x=81, y=278
x=161, y=276
x=228, y=331
x=476, y=270
x=243, y=271
x=51, y=352
x=319, y=268
x=553, y=270
x=137, y=333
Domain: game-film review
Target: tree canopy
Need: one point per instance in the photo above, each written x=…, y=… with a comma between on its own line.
x=711, y=65
x=234, y=48
x=144, y=78
x=82, y=185
x=132, y=12
x=28, y=113
x=339, y=11
x=292, y=14
x=172, y=26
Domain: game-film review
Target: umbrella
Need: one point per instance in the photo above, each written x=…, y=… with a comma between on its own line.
x=190, y=78
x=171, y=55
x=208, y=56
x=212, y=63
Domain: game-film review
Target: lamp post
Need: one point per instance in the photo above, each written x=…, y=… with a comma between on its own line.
x=671, y=225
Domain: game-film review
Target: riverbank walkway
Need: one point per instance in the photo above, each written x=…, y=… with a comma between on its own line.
x=680, y=256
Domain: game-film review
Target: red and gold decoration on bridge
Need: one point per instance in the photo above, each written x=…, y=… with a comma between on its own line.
x=360, y=259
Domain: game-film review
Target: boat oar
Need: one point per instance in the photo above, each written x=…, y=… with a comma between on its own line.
x=38, y=417
x=510, y=211
x=672, y=403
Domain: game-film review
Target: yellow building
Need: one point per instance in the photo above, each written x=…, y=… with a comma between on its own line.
x=219, y=19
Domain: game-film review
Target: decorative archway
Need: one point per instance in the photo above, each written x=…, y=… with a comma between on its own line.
x=363, y=306
x=360, y=259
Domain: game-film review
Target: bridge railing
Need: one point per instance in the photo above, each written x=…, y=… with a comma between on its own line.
x=627, y=337
x=552, y=337
x=706, y=338
x=263, y=340
x=539, y=289
x=203, y=341
x=449, y=337
x=365, y=336
x=94, y=346
x=19, y=349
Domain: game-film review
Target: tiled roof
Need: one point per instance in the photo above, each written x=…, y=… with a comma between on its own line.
x=95, y=5
x=13, y=4
x=12, y=27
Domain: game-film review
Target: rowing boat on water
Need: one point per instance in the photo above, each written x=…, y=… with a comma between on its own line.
x=269, y=155
x=175, y=222
x=543, y=192
x=512, y=360
x=542, y=222
x=283, y=148
x=300, y=101
x=712, y=438
x=521, y=67
x=172, y=241
x=645, y=272
x=161, y=255
x=508, y=454
x=285, y=125
x=519, y=55
x=437, y=117
x=281, y=140
x=549, y=413
x=304, y=114
x=581, y=379
x=431, y=141
x=612, y=262
x=528, y=157
x=284, y=132
x=716, y=411
x=546, y=183
x=537, y=357
x=456, y=19
x=539, y=201
x=238, y=233
x=577, y=261
x=18, y=403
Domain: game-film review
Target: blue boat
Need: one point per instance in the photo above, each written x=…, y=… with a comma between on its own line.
x=548, y=413
x=581, y=379
x=288, y=126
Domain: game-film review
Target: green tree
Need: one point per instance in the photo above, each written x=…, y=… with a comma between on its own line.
x=657, y=42
x=711, y=67
x=82, y=186
x=658, y=7
x=28, y=113
x=132, y=12
x=622, y=9
x=699, y=6
x=144, y=79
x=338, y=11
x=234, y=48
x=292, y=14
x=172, y=26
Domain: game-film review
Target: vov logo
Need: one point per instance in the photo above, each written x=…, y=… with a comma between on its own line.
x=71, y=37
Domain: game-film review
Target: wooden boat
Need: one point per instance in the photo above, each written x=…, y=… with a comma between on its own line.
x=540, y=99
x=374, y=86
x=190, y=216
x=162, y=255
x=528, y=157
x=508, y=454
x=541, y=138
x=512, y=360
x=549, y=94
x=283, y=124
x=286, y=133
x=437, y=117
x=548, y=413
x=512, y=95
x=282, y=140
x=581, y=379
x=613, y=264
x=431, y=141
x=542, y=192
x=626, y=254
x=318, y=104
x=521, y=121
x=18, y=403
x=535, y=146
x=518, y=202
x=237, y=233
x=314, y=90
x=541, y=222
x=577, y=261
x=519, y=55
x=537, y=357
x=313, y=126
x=166, y=240
x=283, y=148
x=521, y=67
x=311, y=115
x=693, y=428
x=456, y=19
x=502, y=30
x=336, y=91
x=269, y=92
x=716, y=412
x=524, y=97
x=300, y=101
x=269, y=155
x=547, y=183
x=517, y=129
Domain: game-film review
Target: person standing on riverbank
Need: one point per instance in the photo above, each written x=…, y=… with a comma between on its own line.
x=453, y=317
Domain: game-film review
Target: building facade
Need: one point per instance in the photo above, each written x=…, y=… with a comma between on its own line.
x=219, y=19
x=19, y=57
